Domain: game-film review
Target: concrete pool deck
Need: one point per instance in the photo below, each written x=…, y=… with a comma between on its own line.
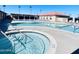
x=67, y=42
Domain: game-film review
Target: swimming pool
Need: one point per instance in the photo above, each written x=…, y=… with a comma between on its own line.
x=5, y=44
x=29, y=42
x=32, y=42
x=61, y=26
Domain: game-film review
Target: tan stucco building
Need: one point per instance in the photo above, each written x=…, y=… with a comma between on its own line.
x=54, y=17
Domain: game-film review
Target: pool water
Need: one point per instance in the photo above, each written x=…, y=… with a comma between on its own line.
x=29, y=43
x=34, y=43
x=30, y=24
x=5, y=45
x=71, y=29
x=66, y=27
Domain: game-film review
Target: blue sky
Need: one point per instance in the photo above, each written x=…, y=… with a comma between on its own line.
x=25, y=9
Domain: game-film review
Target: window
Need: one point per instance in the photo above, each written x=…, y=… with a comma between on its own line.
x=50, y=18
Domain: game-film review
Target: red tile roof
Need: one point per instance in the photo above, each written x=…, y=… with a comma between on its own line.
x=52, y=14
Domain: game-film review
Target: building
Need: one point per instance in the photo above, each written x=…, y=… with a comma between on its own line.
x=77, y=20
x=4, y=21
x=51, y=16
x=2, y=15
x=24, y=16
x=55, y=17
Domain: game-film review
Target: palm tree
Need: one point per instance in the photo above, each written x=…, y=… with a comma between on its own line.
x=40, y=11
x=19, y=7
x=30, y=9
x=0, y=7
x=19, y=10
x=4, y=7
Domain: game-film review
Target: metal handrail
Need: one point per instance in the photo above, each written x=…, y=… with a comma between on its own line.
x=75, y=28
x=25, y=39
x=22, y=33
x=12, y=17
x=25, y=36
x=19, y=41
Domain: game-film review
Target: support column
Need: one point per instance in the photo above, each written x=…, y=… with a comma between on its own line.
x=18, y=17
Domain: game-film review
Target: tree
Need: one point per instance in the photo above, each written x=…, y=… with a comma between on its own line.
x=19, y=7
x=4, y=7
x=30, y=9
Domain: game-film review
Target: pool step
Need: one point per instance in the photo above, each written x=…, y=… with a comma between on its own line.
x=23, y=43
x=18, y=48
x=18, y=45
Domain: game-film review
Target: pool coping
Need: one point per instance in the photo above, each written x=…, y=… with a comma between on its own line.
x=53, y=44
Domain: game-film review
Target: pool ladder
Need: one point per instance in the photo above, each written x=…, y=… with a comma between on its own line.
x=75, y=29
x=15, y=39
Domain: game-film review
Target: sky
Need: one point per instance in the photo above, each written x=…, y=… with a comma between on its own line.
x=72, y=10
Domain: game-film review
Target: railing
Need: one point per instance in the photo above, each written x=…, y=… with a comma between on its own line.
x=25, y=42
x=76, y=27
x=17, y=39
x=12, y=17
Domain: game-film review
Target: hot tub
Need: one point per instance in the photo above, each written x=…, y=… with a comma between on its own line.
x=32, y=42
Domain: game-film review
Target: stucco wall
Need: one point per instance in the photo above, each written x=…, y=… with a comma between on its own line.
x=61, y=19
x=53, y=18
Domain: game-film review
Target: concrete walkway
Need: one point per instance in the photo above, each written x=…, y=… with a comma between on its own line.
x=67, y=42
